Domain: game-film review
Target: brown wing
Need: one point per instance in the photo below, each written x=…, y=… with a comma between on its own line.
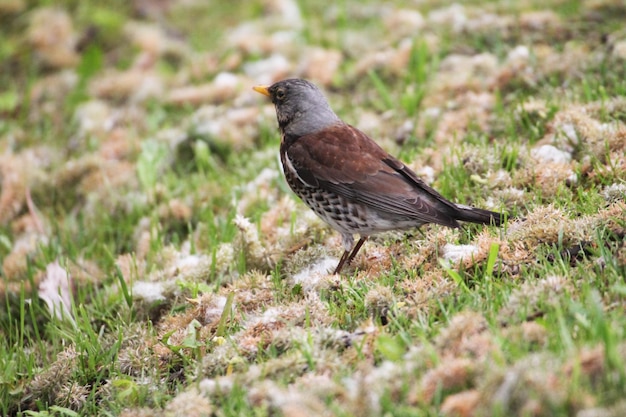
x=345, y=161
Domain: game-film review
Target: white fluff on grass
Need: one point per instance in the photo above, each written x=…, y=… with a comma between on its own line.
x=149, y=292
x=264, y=71
x=55, y=290
x=215, y=308
x=614, y=192
x=453, y=254
x=548, y=153
x=310, y=276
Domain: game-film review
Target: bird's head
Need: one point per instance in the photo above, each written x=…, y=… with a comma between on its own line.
x=301, y=108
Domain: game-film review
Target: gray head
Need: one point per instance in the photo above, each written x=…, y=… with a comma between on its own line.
x=301, y=108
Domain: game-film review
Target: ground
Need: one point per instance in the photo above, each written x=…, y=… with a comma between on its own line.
x=154, y=261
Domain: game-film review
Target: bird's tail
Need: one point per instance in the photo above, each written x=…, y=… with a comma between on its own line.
x=480, y=216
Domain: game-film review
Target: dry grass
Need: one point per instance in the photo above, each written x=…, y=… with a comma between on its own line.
x=138, y=172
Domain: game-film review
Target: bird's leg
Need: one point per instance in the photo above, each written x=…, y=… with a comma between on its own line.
x=348, y=255
x=356, y=249
x=342, y=261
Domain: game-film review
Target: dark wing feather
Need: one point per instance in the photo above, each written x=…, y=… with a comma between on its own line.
x=343, y=160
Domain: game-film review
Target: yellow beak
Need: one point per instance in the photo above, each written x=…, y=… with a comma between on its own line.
x=263, y=89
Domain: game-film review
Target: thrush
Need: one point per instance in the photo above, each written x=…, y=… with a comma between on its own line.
x=347, y=179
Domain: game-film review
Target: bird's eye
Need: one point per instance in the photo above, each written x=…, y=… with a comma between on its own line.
x=280, y=94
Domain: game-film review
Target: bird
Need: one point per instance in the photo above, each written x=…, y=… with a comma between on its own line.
x=347, y=179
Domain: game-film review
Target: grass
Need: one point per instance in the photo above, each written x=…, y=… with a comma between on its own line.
x=182, y=239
